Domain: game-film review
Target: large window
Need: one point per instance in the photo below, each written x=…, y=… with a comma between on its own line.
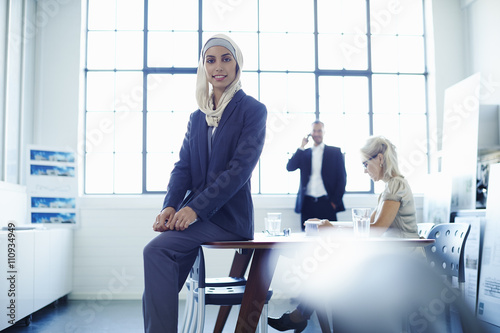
x=357, y=65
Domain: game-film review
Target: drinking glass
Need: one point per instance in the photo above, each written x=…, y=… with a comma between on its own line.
x=273, y=224
x=361, y=222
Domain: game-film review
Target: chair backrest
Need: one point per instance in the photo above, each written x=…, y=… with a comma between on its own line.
x=446, y=255
x=424, y=228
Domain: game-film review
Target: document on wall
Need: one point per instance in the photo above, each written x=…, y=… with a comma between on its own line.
x=471, y=255
x=489, y=282
x=52, y=185
x=437, y=198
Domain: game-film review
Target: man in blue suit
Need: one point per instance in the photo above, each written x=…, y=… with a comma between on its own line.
x=322, y=177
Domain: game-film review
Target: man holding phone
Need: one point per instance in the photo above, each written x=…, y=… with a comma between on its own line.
x=322, y=177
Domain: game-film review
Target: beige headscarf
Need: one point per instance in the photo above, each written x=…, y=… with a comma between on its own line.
x=204, y=96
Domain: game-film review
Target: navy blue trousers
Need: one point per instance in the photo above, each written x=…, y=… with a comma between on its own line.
x=168, y=258
x=319, y=208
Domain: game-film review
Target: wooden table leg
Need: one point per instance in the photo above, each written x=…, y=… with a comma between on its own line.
x=258, y=282
x=238, y=269
x=323, y=320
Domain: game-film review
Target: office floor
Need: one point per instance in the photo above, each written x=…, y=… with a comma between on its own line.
x=121, y=316
x=126, y=317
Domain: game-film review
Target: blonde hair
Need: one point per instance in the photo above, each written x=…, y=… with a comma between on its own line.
x=380, y=145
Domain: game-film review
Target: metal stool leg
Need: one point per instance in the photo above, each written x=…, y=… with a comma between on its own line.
x=200, y=322
x=262, y=326
x=192, y=326
x=188, y=309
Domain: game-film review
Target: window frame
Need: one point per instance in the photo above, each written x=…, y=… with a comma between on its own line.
x=317, y=72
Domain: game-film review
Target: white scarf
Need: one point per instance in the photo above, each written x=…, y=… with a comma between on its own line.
x=204, y=96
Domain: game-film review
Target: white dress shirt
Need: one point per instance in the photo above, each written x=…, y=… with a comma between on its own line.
x=315, y=187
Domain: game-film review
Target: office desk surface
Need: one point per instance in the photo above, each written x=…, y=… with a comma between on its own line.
x=262, y=241
x=266, y=252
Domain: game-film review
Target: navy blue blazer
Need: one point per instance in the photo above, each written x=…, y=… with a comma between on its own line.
x=332, y=171
x=217, y=188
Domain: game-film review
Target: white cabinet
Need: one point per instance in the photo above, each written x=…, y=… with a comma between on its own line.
x=42, y=292
x=42, y=271
x=61, y=262
x=17, y=285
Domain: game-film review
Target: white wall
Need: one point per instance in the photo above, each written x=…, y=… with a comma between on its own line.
x=448, y=65
x=113, y=230
x=483, y=17
x=13, y=204
x=465, y=34
x=108, y=244
x=58, y=72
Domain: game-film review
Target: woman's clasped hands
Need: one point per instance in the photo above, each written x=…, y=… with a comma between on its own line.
x=169, y=219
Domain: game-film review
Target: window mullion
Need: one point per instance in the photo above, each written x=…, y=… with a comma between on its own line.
x=145, y=101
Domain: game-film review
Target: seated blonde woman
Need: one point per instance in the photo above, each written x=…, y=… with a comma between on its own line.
x=394, y=216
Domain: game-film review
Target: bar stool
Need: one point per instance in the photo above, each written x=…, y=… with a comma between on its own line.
x=219, y=291
x=222, y=282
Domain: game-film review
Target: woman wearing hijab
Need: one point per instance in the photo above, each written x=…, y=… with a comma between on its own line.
x=208, y=196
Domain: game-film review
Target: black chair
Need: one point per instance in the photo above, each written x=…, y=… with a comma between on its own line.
x=220, y=291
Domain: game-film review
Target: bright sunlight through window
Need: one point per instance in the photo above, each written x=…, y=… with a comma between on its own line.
x=359, y=66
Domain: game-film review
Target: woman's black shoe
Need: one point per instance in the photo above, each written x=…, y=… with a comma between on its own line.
x=284, y=323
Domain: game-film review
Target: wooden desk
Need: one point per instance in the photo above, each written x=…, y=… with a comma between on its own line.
x=266, y=252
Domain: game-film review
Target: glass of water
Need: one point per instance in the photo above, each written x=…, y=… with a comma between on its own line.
x=273, y=224
x=361, y=222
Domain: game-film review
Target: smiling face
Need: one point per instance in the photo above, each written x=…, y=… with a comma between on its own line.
x=317, y=132
x=372, y=166
x=220, y=66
